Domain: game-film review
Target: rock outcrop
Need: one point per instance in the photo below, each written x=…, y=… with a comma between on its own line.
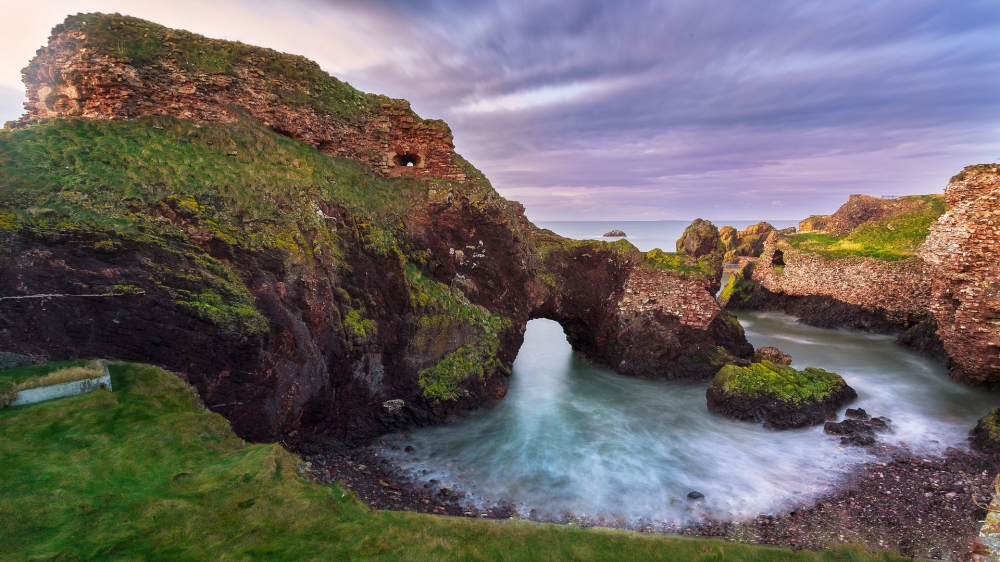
x=700, y=238
x=117, y=67
x=309, y=299
x=748, y=242
x=814, y=223
x=779, y=396
x=963, y=254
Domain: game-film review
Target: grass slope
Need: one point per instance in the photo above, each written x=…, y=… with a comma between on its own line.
x=892, y=238
x=145, y=473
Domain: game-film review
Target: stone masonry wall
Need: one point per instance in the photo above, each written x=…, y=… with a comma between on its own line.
x=68, y=79
x=963, y=253
x=898, y=289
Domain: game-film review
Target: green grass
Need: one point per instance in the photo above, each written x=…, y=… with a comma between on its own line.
x=145, y=473
x=681, y=263
x=892, y=238
x=765, y=379
x=291, y=79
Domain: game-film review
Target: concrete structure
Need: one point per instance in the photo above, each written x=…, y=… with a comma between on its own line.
x=62, y=390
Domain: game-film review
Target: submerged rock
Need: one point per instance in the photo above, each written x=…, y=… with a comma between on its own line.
x=614, y=233
x=858, y=429
x=695, y=495
x=772, y=354
x=777, y=395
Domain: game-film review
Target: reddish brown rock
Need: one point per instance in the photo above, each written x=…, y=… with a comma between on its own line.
x=963, y=253
x=77, y=75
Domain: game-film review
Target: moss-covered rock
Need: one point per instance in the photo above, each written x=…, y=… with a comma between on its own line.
x=986, y=435
x=739, y=289
x=779, y=396
x=700, y=238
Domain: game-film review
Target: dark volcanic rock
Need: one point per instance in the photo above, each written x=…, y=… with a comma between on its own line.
x=760, y=393
x=859, y=429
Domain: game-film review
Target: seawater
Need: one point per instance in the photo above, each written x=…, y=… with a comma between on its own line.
x=574, y=438
x=644, y=235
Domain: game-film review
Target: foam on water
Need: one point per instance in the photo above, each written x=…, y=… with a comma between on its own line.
x=571, y=437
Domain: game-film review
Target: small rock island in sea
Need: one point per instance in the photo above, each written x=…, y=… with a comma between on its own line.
x=614, y=233
x=780, y=396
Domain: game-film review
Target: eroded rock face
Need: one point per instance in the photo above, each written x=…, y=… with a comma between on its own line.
x=348, y=329
x=963, y=254
x=117, y=67
x=858, y=210
x=856, y=292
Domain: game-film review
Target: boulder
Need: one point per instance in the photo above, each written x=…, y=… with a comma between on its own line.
x=859, y=428
x=777, y=395
x=700, y=238
x=614, y=233
x=986, y=435
x=772, y=354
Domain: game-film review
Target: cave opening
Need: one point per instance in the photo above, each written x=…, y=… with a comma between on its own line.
x=407, y=160
x=778, y=259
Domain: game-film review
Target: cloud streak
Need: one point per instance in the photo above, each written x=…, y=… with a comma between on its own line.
x=611, y=110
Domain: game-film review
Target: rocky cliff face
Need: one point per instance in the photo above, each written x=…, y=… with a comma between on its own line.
x=116, y=67
x=963, y=254
x=308, y=298
x=854, y=292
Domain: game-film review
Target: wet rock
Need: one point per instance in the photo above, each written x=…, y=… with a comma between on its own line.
x=777, y=395
x=857, y=430
x=614, y=233
x=772, y=354
x=986, y=435
x=857, y=414
x=695, y=495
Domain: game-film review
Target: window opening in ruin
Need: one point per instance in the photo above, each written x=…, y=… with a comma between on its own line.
x=778, y=259
x=410, y=160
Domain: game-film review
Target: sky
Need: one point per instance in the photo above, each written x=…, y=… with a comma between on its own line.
x=636, y=110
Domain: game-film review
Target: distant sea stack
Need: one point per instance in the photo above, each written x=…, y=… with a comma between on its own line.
x=614, y=234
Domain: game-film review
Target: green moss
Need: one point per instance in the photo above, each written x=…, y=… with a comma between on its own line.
x=767, y=380
x=740, y=285
x=441, y=306
x=991, y=422
x=892, y=238
x=147, y=473
x=359, y=328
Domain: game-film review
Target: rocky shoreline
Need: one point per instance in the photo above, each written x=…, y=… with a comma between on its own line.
x=918, y=506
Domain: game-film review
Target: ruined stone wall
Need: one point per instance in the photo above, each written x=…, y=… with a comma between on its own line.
x=68, y=78
x=963, y=253
x=900, y=290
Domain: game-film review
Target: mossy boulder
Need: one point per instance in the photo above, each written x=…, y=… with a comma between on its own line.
x=986, y=435
x=729, y=237
x=777, y=395
x=700, y=238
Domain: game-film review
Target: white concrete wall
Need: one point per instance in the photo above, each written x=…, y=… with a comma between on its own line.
x=62, y=390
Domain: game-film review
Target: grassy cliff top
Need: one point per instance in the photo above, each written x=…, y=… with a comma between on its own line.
x=767, y=380
x=294, y=79
x=147, y=473
x=891, y=238
x=242, y=181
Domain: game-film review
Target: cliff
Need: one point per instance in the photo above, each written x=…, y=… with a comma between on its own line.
x=914, y=266
x=117, y=67
x=159, y=206
x=963, y=254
